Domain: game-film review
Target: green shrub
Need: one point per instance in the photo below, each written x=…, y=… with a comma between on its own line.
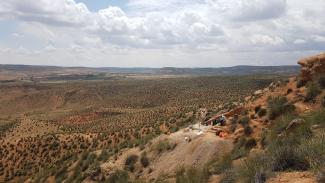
x=300, y=83
x=278, y=106
x=248, y=130
x=144, y=160
x=321, y=176
x=321, y=81
x=251, y=143
x=289, y=91
x=222, y=164
x=130, y=161
x=323, y=101
x=314, y=151
x=264, y=138
x=313, y=91
x=256, y=167
x=61, y=174
x=240, y=149
x=286, y=157
x=280, y=125
x=119, y=176
x=164, y=145
x=229, y=176
x=103, y=155
x=257, y=109
x=244, y=121
x=316, y=118
x=262, y=112
x=192, y=175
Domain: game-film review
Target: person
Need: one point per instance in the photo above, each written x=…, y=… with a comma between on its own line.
x=222, y=120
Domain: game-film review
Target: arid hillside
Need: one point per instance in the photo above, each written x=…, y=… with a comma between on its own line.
x=275, y=135
x=49, y=126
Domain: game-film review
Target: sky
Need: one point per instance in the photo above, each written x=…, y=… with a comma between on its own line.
x=160, y=33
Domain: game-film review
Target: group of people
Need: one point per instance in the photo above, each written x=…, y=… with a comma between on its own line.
x=221, y=121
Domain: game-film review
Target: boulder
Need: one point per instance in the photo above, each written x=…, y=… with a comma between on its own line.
x=258, y=92
x=312, y=67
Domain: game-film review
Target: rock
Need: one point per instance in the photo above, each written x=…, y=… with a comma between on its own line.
x=248, y=98
x=258, y=92
x=266, y=90
x=312, y=67
x=315, y=127
x=294, y=124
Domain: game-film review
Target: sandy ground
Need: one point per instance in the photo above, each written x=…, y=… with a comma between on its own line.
x=293, y=177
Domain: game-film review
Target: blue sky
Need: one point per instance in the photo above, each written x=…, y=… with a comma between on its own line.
x=160, y=33
x=95, y=5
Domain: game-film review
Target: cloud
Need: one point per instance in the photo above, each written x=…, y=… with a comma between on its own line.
x=254, y=10
x=58, y=12
x=201, y=26
x=266, y=40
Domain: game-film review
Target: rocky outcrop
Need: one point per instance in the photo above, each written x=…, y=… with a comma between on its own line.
x=312, y=67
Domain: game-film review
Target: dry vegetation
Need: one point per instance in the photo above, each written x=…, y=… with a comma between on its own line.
x=53, y=130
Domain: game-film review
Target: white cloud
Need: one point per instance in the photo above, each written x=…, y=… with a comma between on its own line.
x=267, y=40
x=300, y=41
x=252, y=10
x=226, y=26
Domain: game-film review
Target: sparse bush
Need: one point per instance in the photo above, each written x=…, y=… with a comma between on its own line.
x=285, y=157
x=103, y=155
x=289, y=91
x=314, y=151
x=321, y=81
x=316, y=118
x=119, y=176
x=300, y=83
x=248, y=130
x=244, y=121
x=257, y=109
x=278, y=106
x=323, y=101
x=192, y=175
x=223, y=164
x=264, y=138
x=233, y=127
x=130, y=161
x=229, y=176
x=251, y=142
x=255, y=169
x=239, y=149
x=313, y=91
x=321, y=176
x=144, y=160
x=164, y=145
x=61, y=174
x=262, y=112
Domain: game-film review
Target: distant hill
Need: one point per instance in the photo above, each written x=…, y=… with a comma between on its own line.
x=236, y=70
x=8, y=72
